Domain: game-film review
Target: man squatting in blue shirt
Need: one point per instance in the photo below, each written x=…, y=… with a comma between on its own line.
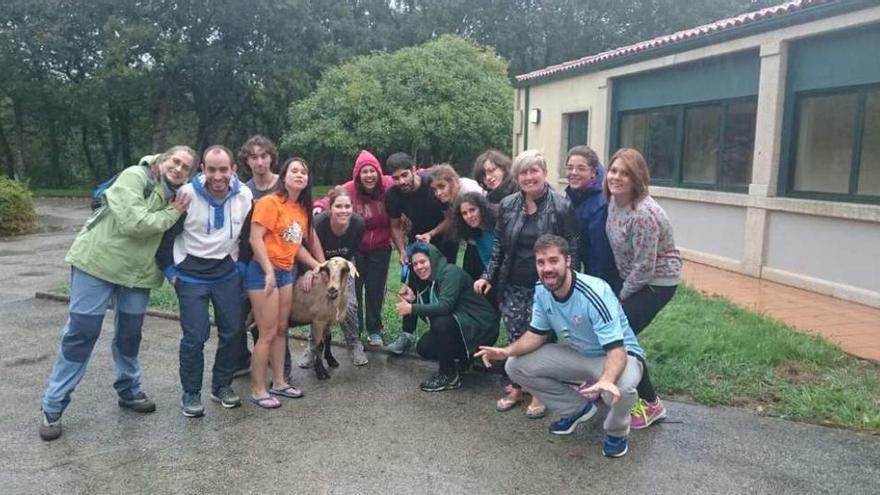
x=597, y=349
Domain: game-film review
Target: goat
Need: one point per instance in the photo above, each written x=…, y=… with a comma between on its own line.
x=322, y=306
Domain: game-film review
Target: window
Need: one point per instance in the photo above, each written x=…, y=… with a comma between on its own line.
x=705, y=145
x=837, y=144
x=575, y=133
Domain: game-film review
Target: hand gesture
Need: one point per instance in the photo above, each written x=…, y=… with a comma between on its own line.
x=403, y=307
x=309, y=280
x=599, y=387
x=406, y=293
x=482, y=286
x=180, y=202
x=426, y=237
x=489, y=354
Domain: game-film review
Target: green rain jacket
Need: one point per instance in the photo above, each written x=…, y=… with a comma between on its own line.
x=118, y=242
x=450, y=292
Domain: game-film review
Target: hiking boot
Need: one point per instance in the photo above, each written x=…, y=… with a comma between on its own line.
x=375, y=340
x=567, y=424
x=643, y=414
x=140, y=403
x=226, y=397
x=358, y=357
x=614, y=446
x=191, y=405
x=307, y=360
x=50, y=426
x=440, y=382
x=401, y=344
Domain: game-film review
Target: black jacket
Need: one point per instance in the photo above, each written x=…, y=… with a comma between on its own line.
x=555, y=216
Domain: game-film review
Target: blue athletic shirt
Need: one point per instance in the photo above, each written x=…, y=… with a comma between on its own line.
x=589, y=319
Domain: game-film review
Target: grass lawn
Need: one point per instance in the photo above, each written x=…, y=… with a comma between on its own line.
x=710, y=351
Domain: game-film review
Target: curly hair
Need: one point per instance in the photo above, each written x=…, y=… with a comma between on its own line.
x=488, y=215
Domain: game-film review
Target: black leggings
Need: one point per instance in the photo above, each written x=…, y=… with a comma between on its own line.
x=443, y=343
x=640, y=309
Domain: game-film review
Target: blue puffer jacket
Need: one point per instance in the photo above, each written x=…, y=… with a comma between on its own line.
x=592, y=213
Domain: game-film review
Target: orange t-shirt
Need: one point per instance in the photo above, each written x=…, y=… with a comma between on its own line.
x=285, y=222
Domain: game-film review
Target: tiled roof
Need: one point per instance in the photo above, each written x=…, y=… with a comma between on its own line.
x=678, y=37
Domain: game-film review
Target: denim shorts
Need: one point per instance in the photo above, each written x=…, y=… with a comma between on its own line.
x=255, y=278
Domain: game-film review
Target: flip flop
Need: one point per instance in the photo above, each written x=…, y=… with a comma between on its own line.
x=536, y=412
x=289, y=392
x=266, y=402
x=506, y=404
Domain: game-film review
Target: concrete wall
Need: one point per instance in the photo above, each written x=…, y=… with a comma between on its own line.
x=788, y=240
x=845, y=252
x=707, y=228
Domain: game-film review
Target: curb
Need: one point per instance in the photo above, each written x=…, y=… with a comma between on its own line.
x=167, y=315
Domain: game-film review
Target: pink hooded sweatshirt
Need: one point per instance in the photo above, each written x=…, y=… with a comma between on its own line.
x=369, y=206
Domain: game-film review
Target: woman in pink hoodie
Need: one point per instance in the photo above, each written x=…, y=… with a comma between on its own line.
x=368, y=186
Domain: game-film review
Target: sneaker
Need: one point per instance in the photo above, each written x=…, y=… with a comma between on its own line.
x=358, y=356
x=401, y=344
x=440, y=382
x=375, y=340
x=614, y=446
x=307, y=360
x=50, y=426
x=140, y=403
x=226, y=397
x=644, y=414
x=191, y=405
x=567, y=424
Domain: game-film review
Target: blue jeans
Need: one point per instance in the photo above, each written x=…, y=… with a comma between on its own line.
x=89, y=298
x=225, y=296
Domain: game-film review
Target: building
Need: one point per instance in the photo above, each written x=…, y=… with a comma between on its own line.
x=762, y=132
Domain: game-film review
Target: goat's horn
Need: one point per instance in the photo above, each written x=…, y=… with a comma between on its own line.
x=354, y=270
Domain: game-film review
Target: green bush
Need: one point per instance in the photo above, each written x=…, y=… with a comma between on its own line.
x=17, y=215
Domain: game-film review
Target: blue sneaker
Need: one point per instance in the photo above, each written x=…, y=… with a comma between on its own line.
x=566, y=425
x=614, y=446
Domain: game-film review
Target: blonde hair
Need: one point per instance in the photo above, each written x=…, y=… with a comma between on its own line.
x=634, y=165
x=528, y=159
x=445, y=172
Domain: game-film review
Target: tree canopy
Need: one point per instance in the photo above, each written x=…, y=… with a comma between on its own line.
x=444, y=101
x=87, y=87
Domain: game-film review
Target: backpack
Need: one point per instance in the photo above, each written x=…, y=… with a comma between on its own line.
x=98, y=199
x=99, y=204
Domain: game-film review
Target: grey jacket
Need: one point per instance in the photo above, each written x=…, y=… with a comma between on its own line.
x=555, y=216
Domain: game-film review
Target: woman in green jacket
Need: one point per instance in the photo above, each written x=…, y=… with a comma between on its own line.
x=459, y=319
x=112, y=257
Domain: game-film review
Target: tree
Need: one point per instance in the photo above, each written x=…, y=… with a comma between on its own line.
x=444, y=101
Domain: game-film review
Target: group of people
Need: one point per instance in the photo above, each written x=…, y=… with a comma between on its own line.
x=574, y=275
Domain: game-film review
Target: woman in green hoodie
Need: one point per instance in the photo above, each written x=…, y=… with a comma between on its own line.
x=112, y=257
x=459, y=319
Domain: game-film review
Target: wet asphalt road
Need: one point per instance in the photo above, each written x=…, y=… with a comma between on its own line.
x=367, y=430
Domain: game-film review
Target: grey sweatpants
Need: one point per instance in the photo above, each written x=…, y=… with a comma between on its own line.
x=549, y=372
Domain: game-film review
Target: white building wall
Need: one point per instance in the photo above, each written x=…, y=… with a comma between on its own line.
x=828, y=247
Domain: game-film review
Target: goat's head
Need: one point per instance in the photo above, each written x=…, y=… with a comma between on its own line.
x=335, y=273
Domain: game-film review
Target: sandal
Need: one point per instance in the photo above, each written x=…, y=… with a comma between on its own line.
x=266, y=402
x=536, y=412
x=289, y=392
x=506, y=404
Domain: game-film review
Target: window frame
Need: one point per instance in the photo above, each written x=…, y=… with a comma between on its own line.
x=677, y=179
x=790, y=146
x=565, y=144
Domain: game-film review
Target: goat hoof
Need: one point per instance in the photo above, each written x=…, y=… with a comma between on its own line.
x=332, y=362
x=321, y=374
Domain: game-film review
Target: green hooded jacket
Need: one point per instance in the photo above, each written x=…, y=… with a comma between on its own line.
x=119, y=244
x=450, y=292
